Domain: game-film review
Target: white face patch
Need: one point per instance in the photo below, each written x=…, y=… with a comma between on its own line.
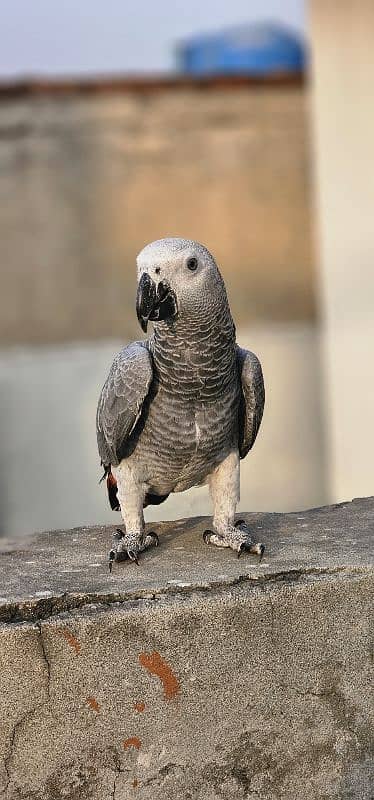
x=160, y=258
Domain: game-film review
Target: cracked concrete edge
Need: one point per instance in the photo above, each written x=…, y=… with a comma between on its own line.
x=45, y=608
x=45, y=656
x=22, y=721
x=269, y=592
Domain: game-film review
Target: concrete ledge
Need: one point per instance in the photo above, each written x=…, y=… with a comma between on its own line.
x=197, y=675
x=149, y=84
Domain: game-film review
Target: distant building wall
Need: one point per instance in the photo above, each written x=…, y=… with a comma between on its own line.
x=343, y=50
x=88, y=180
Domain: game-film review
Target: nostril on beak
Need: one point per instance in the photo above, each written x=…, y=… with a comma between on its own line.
x=157, y=270
x=162, y=291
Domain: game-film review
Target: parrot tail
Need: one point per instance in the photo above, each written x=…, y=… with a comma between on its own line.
x=112, y=491
x=111, y=483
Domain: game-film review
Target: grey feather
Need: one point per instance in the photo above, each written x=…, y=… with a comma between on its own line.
x=180, y=408
x=253, y=399
x=176, y=405
x=121, y=400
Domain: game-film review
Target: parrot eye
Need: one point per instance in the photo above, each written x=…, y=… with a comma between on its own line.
x=192, y=263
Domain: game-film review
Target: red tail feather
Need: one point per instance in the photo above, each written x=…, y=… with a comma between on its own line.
x=112, y=491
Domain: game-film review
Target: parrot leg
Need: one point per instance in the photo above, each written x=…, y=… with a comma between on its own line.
x=128, y=544
x=224, y=484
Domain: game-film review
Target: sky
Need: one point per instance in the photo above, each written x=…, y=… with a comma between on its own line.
x=117, y=36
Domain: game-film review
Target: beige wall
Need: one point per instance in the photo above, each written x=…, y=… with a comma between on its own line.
x=343, y=104
x=87, y=181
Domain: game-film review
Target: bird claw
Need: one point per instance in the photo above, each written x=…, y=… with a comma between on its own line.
x=116, y=554
x=207, y=536
x=154, y=536
x=111, y=558
x=256, y=548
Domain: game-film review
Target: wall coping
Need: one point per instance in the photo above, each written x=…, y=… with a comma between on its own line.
x=140, y=84
x=58, y=571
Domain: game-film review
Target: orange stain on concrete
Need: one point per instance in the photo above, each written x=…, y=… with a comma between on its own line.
x=133, y=741
x=139, y=707
x=156, y=665
x=93, y=703
x=71, y=640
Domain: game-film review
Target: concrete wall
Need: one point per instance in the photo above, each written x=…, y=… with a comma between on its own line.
x=343, y=114
x=195, y=676
x=88, y=180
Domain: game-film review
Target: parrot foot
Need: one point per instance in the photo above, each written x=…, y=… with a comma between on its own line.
x=128, y=548
x=237, y=537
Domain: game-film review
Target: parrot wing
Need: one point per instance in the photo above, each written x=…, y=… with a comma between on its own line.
x=121, y=401
x=252, y=399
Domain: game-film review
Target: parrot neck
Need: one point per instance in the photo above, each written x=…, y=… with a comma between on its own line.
x=196, y=355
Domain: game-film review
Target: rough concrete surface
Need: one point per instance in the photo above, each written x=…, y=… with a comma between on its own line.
x=197, y=675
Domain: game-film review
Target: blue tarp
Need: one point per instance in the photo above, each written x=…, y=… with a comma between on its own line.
x=259, y=49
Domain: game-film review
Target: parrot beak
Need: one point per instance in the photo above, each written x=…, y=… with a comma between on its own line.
x=154, y=303
x=145, y=300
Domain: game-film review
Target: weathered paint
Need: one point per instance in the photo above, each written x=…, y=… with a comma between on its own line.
x=92, y=702
x=156, y=665
x=71, y=640
x=132, y=741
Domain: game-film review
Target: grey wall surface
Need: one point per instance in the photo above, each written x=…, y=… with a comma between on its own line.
x=49, y=467
x=196, y=676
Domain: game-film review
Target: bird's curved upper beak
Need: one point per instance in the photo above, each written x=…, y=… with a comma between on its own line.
x=154, y=302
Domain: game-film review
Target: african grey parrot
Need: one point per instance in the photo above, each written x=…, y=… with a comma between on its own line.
x=181, y=408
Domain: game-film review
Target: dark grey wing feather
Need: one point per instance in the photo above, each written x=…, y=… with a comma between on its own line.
x=252, y=401
x=121, y=400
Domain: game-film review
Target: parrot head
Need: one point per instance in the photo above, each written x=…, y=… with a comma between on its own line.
x=177, y=277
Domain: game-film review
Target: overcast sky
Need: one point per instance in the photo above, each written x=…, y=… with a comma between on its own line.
x=75, y=36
